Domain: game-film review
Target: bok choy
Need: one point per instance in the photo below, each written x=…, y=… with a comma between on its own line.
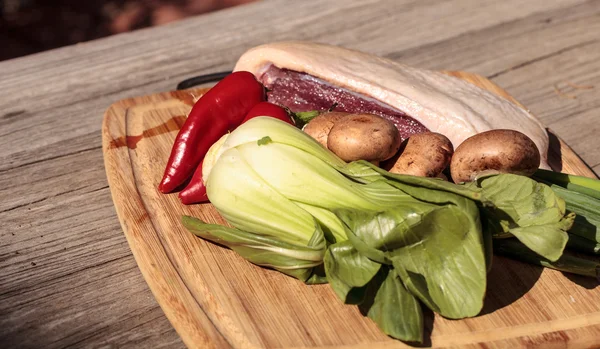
x=386, y=242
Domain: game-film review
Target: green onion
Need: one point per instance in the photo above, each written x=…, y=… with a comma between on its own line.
x=580, y=184
x=567, y=263
x=580, y=244
x=583, y=201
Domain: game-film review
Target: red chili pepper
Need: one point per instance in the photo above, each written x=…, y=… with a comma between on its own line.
x=269, y=109
x=195, y=191
x=220, y=110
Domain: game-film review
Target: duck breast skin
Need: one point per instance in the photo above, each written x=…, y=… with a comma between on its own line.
x=312, y=76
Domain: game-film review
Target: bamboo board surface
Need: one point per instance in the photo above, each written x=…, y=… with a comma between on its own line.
x=214, y=298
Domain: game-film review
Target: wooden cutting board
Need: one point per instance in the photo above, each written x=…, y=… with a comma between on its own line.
x=214, y=298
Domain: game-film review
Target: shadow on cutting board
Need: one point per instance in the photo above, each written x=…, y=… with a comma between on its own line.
x=583, y=281
x=428, y=317
x=554, y=152
x=508, y=281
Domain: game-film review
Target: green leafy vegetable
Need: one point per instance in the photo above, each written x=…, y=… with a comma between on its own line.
x=289, y=258
x=437, y=251
x=377, y=288
x=348, y=271
x=385, y=241
x=394, y=309
x=528, y=210
x=512, y=204
x=257, y=208
x=331, y=225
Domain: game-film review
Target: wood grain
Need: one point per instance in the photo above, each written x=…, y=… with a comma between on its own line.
x=56, y=212
x=213, y=297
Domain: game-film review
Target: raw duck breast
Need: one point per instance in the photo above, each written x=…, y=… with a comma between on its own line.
x=310, y=76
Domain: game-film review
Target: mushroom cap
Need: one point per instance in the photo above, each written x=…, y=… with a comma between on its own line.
x=364, y=137
x=501, y=150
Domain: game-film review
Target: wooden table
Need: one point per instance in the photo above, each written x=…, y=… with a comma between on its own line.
x=67, y=276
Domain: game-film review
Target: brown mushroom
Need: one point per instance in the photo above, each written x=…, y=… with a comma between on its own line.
x=363, y=137
x=319, y=127
x=503, y=151
x=424, y=154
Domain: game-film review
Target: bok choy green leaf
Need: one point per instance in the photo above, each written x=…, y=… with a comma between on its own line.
x=377, y=289
x=394, y=309
x=512, y=205
x=348, y=271
x=437, y=252
x=528, y=210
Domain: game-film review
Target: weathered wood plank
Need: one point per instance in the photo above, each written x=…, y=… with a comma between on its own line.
x=67, y=271
x=504, y=46
x=118, y=311
x=537, y=59
x=564, y=91
x=81, y=286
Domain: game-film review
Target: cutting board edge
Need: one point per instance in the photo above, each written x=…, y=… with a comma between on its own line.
x=193, y=336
